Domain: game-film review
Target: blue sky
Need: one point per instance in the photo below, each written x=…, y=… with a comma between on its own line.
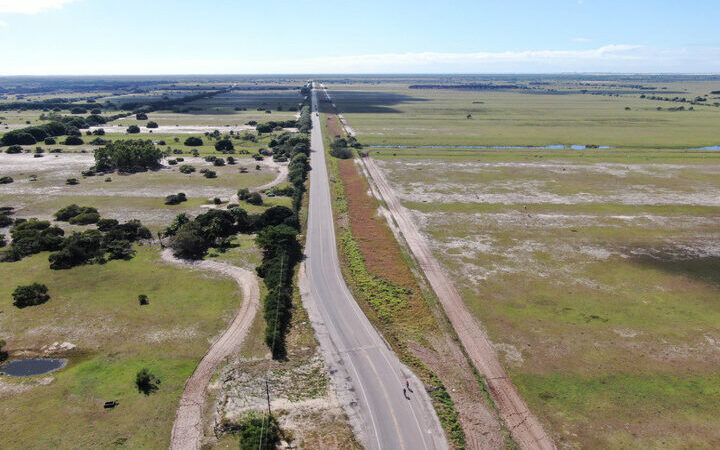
x=368, y=36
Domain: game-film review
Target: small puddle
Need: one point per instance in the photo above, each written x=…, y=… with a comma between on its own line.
x=29, y=367
x=712, y=147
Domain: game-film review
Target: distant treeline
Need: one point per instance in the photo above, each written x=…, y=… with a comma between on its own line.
x=471, y=87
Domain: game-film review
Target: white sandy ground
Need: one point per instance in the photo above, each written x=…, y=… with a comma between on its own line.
x=187, y=429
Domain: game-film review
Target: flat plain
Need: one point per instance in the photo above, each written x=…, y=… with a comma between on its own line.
x=593, y=270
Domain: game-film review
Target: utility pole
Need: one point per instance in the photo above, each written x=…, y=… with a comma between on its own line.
x=267, y=391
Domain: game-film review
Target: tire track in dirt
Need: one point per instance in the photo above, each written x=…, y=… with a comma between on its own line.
x=525, y=428
x=187, y=431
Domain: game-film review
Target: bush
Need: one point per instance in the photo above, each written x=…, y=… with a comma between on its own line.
x=210, y=174
x=85, y=218
x=14, y=149
x=50, y=141
x=143, y=300
x=71, y=211
x=175, y=199
x=99, y=132
x=152, y=124
x=6, y=180
x=243, y=193
x=255, y=199
x=72, y=181
x=231, y=160
x=257, y=431
x=107, y=224
x=3, y=353
x=133, y=129
x=73, y=140
x=146, y=382
x=193, y=141
x=187, y=168
x=225, y=146
x=31, y=295
x=219, y=162
x=141, y=116
x=17, y=137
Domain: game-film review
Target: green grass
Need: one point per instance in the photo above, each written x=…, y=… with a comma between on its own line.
x=391, y=113
x=96, y=308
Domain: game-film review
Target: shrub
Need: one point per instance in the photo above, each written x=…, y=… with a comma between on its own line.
x=187, y=168
x=152, y=124
x=141, y=116
x=143, y=300
x=17, y=137
x=73, y=140
x=70, y=211
x=219, y=162
x=146, y=382
x=175, y=199
x=225, y=146
x=231, y=160
x=243, y=193
x=6, y=180
x=257, y=431
x=255, y=199
x=30, y=295
x=172, y=162
x=107, y=224
x=85, y=218
x=14, y=149
x=133, y=129
x=217, y=201
x=99, y=132
x=50, y=141
x=193, y=141
x=3, y=353
x=209, y=174
x=72, y=181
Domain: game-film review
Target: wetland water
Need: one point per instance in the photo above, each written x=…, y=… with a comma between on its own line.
x=29, y=367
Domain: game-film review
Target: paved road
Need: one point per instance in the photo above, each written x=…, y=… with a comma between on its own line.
x=388, y=419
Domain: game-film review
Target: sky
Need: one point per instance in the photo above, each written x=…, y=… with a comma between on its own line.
x=132, y=37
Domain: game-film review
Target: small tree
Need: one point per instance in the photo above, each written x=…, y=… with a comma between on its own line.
x=133, y=129
x=152, y=124
x=3, y=353
x=193, y=141
x=224, y=146
x=146, y=382
x=255, y=199
x=30, y=295
x=143, y=300
x=189, y=241
x=141, y=116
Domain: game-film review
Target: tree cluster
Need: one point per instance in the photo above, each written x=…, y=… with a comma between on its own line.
x=127, y=156
x=63, y=126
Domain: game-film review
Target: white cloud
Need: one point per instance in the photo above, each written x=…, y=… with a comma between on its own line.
x=2, y=24
x=581, y=39
x=30, y=6
x=609, y=58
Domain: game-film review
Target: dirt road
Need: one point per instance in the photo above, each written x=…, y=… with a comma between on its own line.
x=523, y=425
x=187, y=430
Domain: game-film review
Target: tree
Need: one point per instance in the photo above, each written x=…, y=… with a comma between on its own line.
x=133, y=129
x=14, y=149
x=189, y=242
x=152, y=124
x=50, y=141
x=3, y=353
x=128, y=156
x=255, y=199
x=71, y=211
x=225, y=146
x=30, y=295
x=193, y=141
x=143, y=300
x=141, y=116
x=187, y=168
x=146, y=382
x=73, y=140
x=85, y=218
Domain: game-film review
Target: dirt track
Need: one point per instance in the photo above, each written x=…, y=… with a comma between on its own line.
x=187, y=430
x=523, y=425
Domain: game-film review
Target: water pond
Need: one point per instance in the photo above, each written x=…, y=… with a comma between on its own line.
x=29, y=367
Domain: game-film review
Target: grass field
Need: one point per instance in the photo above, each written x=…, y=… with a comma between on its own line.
x=596, y=279
x=96, y=309
x=392, y=114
